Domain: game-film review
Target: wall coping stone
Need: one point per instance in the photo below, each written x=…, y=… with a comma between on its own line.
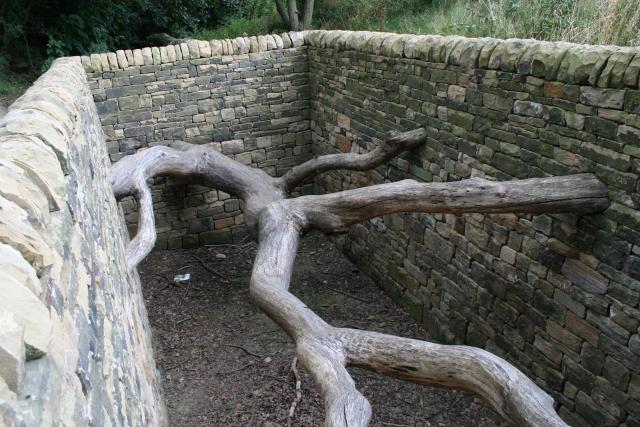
x=189, y=50
x=598, y=66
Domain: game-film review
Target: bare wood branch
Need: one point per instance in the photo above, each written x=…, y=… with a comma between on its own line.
x=278, y=222
x=325, y=351
x=282, y=11
x=296, y=400
x=509, y=392
x=335, y=212
x=214, y=169
x=393, y=144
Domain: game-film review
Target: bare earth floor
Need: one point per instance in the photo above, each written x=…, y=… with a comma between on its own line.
x=224, y=363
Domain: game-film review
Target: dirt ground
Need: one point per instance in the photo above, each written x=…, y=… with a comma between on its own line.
x=224, y=363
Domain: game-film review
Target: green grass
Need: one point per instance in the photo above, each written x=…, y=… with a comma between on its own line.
x=13, y=85
x=584, y=21
x=238, y=26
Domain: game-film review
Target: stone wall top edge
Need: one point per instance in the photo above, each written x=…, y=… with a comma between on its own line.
x=35, y=136
x=604, y=66
x=190, y=49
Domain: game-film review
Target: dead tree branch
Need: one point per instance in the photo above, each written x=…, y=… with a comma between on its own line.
x=278, y=223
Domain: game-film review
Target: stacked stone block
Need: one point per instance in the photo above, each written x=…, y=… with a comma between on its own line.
x=74, y=337
x=246, y=97
x=557, y=295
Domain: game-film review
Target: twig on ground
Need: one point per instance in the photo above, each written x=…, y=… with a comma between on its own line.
x=349, y=295
x=210, y=270
x=277, y=379
x=182, y=321
x=344, y=293
x=446, y=409
x=177, y=365
x=294, y=369
x=236, y=370
x=245, y=350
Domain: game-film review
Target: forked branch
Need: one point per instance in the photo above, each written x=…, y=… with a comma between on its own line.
x=393, y=144
x=278, y=223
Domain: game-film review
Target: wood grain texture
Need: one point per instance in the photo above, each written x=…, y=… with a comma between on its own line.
x=278, y=223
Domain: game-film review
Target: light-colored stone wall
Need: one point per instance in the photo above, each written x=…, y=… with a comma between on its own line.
x=246, y=97
x=75, y=344
x=557, y=295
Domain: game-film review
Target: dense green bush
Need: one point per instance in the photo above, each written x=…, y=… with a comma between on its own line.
x=33, y=32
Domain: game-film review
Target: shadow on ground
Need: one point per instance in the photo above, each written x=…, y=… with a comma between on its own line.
x=224, y=363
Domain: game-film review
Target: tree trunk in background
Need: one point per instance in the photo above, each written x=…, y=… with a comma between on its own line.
x=307, y=14
x=291, y=16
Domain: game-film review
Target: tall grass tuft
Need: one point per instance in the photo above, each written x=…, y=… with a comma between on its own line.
x=582, y=21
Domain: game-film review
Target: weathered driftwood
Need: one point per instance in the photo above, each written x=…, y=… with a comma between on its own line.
x=278, y=222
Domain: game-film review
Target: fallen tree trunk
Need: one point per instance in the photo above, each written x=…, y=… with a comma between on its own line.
x=278, y=223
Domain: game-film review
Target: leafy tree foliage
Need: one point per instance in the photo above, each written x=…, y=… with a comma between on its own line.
x=33, y=32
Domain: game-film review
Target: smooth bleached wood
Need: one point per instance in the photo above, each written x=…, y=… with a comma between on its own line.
x=278, y=223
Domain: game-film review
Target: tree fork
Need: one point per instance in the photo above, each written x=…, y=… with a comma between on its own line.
x=278, y=222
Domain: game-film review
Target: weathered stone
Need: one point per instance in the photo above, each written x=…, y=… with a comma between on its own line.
x=138, y=59
x=232, y=147
x=194, y=49
x=614, y=72
x=606, y=98
x=204, y=49
x=527, y=108
x=122, y=59
x=547, y=59
x=216, y=47
x=583, y=64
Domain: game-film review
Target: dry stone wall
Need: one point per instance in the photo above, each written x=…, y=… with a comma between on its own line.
x=247, y=97
x=75, y=344
x=557, y=295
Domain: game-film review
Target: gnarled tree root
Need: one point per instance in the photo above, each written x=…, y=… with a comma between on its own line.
x=278, y=223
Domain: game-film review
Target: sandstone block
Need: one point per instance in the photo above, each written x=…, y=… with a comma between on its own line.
x=606, y=98
x=12, y=355
x=96, y=64
x=235, y=146
x=138, y=58
x=194, y=49
x=29, y=313
x=122, y=59
x=528, y=108
x=113, y=61
x=147, y=56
